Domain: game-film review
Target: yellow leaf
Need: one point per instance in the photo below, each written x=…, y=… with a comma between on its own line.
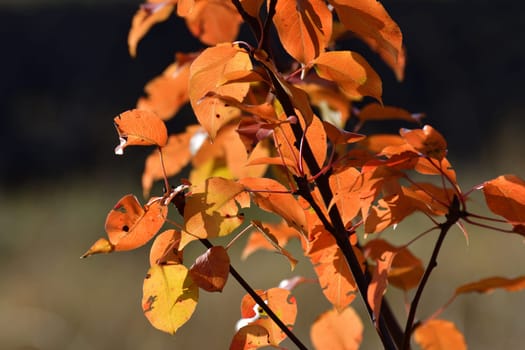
x=169, y=297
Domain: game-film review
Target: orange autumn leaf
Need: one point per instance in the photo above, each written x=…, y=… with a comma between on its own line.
x=375, y=111
x=280, y=231
x=505, y=196
x=304, y=27
x=390, y=210
x=213, y=21
x=339, y=136
x=252, y=7
x=146, y=17
x=335, y=276
x=129, y=225
x=164, y=249
x=169, y=297
x=376, y=143
x=379, y=282
x=345, y=185
x=176, y=154
x=351, y=72
x=439, y=335
x=430, y=166
x=213, y=208
x=429, y=198
x=369, y=20
x=488, y=285
x=335, y=330
x=168, y=92
x=139, y=128
x=280, y=301
x=406, y=269
x=427, y=140
x=211, y=269
x=250, y=337
x=271, y=196
x=333, y=105
x=205, y=73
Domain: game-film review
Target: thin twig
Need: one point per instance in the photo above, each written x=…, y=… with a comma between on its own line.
x=261, y=302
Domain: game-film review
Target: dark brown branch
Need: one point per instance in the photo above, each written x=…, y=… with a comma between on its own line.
x=261, y=302
x=452, y=217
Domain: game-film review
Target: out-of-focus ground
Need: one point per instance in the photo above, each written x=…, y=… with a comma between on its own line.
x=66, y=73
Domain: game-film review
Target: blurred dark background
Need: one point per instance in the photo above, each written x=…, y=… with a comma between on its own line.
x=66, y=72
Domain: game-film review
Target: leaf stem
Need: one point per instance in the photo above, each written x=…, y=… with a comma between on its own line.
x=261, y=302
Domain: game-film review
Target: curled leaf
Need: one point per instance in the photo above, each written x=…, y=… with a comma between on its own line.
x=146, y=17
x=101, y=246
x=140, y=128
x=505, y=196
x=487, y=285
x=164, y=249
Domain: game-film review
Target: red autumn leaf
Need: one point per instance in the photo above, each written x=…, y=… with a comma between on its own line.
x=213, y=208
x=250, y=337
x=505, y=196
x=335, y=277
x=488, y=285
x=164, y=249
x=129, y=225
x=213, y=21
x=375, y=111
x=371, y=22
x=205, y=72
x=439, y=335
x=428, y=141
x=169, y=297
x=210, y=270
x=271, y=196
x=139, y=128
x=146, y=17
x=280, y=301
x=304, y=27
x=168, y=92
x=379, y=282
x=176, y=154
x=406, y=269
x=280, y=231
x=351, y=72
x=334, y=330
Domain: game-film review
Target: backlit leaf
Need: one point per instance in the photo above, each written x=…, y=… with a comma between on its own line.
x=488, y=285
x=213, y=21
x=176, y=154
x=376, y=143
x=335, y=330
x=147, y=16
x=282, y=303
x=428, y=141
x=505, y=196
x=140, y=128
x=375, y=111
x=129, y=225
x=213, y=208
x=164, y=249
x=210, y=270
x=406, y=269
x=345, y=185
x=280, y=231
x=304, y=27
x=439, y=335
x=271, y=196
x=335, y=276
x=379, y=282
x=372, y=23
x=351, y=72
x=169, y=297
x=168, y=92
x=205, y=73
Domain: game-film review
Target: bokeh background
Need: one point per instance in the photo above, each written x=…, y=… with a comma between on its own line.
x=65, y=73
